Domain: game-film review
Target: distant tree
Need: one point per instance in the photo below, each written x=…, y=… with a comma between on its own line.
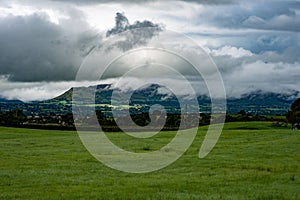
x=67, y=119
x=242, y=116
x=204, y=119
x=142, y=119
x=293, y=115
x=242, y=112
x=173, y=120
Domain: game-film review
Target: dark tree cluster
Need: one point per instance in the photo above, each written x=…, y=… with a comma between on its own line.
x=17, y=118
x=293, y=115
x=172, y=120
x=243, y=116
x=12, y=118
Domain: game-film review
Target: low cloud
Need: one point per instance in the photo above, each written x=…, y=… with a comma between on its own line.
x=271, y=77
x=31, y=91
x=268, y=71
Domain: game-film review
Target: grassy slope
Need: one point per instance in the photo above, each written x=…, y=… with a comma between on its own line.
x=251, y=160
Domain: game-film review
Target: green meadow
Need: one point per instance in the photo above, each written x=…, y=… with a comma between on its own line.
x=251, y=160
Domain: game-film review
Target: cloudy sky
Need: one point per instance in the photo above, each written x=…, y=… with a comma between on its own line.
x=255, y=44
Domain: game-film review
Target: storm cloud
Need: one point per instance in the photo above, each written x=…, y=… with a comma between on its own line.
x=35, y=49
x=136, y=34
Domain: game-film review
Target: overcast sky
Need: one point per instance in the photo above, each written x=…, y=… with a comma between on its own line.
x=255, y=44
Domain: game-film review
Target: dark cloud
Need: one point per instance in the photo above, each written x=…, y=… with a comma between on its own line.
x=122, y=25
x=35, y=49
x=136, y=34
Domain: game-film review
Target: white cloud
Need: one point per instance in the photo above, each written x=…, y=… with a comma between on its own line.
x=258, y=75
x=31, y=91
x=231, y=51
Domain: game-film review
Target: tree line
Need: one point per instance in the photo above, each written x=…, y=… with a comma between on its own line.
x=172, y=120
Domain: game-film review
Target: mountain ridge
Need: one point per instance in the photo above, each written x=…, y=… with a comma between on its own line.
x=255, y=102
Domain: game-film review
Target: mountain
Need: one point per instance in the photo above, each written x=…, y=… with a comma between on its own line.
x=8, y=101
x=257, y=102
x=260, y=102
x=6, y=104
x=102, y=91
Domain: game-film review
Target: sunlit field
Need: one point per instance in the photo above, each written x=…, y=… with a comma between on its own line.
x=250, y=161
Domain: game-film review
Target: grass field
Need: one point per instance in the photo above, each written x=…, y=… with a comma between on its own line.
x=250, y=161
